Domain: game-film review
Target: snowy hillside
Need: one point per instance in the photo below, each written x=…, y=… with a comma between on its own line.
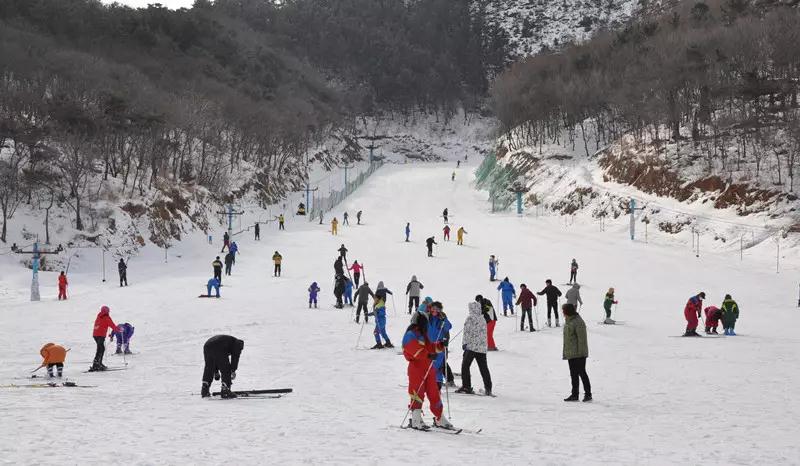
x=658, y=399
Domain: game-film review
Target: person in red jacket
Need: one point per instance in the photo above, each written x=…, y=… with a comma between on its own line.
x=62, y=286
x=527, y=300
x=421, y=353
x=446, y=231
x=692, y=312
x=102, y=323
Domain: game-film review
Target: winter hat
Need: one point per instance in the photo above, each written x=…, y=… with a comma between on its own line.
x=611, y=290
x=413, y=278
x=702, y=295
x=523, y=286
x=727, y=296
x=105, y=309
x=428, y=299
x=478, y=298
x=505, y=279
x=217, y=257
x=380, y=286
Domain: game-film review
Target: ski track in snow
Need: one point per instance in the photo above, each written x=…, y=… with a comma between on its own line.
x=658, y=400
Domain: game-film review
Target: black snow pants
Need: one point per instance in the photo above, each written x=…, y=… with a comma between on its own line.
x=554, y=307
x=413, y=303
x=218, y=274
x=529, y=313
x=362, y=305
x=466, y=362
x=101, y=350
x=216, y=360
x=577, y=369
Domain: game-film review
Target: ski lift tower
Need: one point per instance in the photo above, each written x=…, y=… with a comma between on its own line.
x=632, y=207
x=519, y=189
x=230, y=212
x=37, y=255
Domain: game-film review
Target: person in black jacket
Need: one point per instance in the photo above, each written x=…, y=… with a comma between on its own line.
x=258, y=232
x=338, y=290
x=343, y=252
x=123, y=272
x=338, y=267
x=217, y=265
x=228, y=263
x=430, y=242
x=216, y=352
x=552, y=300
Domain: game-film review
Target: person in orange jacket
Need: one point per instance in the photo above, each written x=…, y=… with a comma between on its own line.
x=102, y=323
x=62, y=286
x=54, y=356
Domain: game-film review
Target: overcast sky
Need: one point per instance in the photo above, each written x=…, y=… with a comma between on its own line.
x=174, y=4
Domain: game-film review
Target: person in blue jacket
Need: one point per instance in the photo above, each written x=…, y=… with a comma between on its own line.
x=123, y=335
x=348, y=291
x=492, y=268
x=408, y=231
x=380, y=324
x=509, y=293
x=213, y=283
x=233, y=249
x=313, y=290
x=439, y=332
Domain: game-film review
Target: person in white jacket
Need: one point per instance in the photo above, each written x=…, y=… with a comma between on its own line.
x=475, y=346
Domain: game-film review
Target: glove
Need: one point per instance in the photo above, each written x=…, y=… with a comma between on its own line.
x=233, y=375
x=432, y=356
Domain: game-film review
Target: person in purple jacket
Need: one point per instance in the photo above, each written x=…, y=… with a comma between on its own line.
x=313, y=290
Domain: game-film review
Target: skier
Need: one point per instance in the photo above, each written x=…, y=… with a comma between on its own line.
x=552, y=300
x=508, y=293
x=381, y=291
x=215, y=284
x=334, y=226
x=439, y=333
x=282, y=220
x=338, y=290
x=320, y=217
x=573, y=271
x=102, y=323
x=348, y=291
x=444, y=215
x=446, y=231
x=226, y=239
x=527, y=300
x=379, y=311
x=412, y=290
x=453, y=176
x=576, y=350
x=408, y=231
x=730, y=314
x=301, y=209
x=123, y=335
x=358, y=217
x=233, y=249
x=713, y=314
x=460, y=236
x=430, y=242
x=490, y=317
x=217, y=265
x=62, y=286
x=338, y=266
x=313, y=290
x=344, y=219
x=343, y=252
x=216, y=352
x=228, y=262
x=276, y=261
x=258, y=232
x=122, y=267
x=53, y=356
x=458, y=164
x=357, y=269
x=493, y=263
x=692, y=312
x=362, y=297
x=420, y=354
x=475, y=345
x=607, y=306
x=573, y=295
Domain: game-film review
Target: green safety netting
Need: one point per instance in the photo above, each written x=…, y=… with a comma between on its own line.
x=496, y=179
x=320, y=204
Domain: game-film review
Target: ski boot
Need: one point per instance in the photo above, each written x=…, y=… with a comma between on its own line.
x=450, y=383
x=416, y=420
x=377, y=346
x=118, y=351
x=573, y=397
x=714, y=331
x=466, y=390
x=557, y=324
x=549, y=324
x=443, y=423
x=587, y=397
x=388, y=345
x=205, y=392
x=128, y=350
x=732, y=333
x=533, y=329
x=226, y=393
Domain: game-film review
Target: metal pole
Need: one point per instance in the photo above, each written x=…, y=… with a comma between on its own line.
x=104, y=265
x=741, y=248
x=778, y=255
x=35, y=268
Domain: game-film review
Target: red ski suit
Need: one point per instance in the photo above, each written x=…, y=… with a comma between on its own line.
x=712, y=316
x=62, y=287
x=102, y=323
x=421, y=375
x=692, y=312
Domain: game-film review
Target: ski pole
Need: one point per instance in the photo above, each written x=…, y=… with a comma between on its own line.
x=423, y=381
x=360, y=332
x=446, y=383
x=394, y=307
x=536, y=314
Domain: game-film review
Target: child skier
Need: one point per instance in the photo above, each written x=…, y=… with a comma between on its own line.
x=713, y=314
x=123, y=334
x=490, y=316
x=313, y=290
x=460, y=236
x=508, y=293
x=607, y=302
x=493, y=263
x=102, y=323
x=446, y=231
x=730, y=314
x=573, y=271
x=439, y=333
x=213, y=283
x=408, y=231
x=379, y=311
x=348, y=291
x=334, y=226
x=53, y=356
x=62, y=286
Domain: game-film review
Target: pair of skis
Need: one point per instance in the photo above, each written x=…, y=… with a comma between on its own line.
x=442, y=430
x=66, y=384
x=256, y=394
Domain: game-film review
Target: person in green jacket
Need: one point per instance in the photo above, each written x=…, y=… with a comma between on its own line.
x=576, y=350
x=607, y=306
x=730, y=312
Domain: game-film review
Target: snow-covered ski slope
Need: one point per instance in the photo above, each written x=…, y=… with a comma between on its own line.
x=658, y=400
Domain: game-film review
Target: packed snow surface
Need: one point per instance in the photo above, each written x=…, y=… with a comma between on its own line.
x=658, y=399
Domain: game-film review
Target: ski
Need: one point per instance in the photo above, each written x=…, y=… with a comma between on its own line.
x=258, y=392
x=616, y=322
x=460, y=430
x=207, y=296
x=49, y=385
x=699, y=337
x=108, y=369
x=430, y=429
x=475, y=394
x=124, y=354
x=248, y=397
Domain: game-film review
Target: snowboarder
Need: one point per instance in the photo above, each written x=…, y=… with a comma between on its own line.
x=692, y=312
x=282, y=221
x=493, y=263
x=576, y=350
x=381, y=291
x=123, y=335
x=348, y=291
x=713, y=314
x=102, y=323
x=552, y=294
x=508, y=294
x=730, y=314
x=527, y=300
x=217, y=265
x=573, y=295
x=446, y=231
x=573, y=272
x=358, y=217
x=607, y=302
x=439, y=333
x=53, y=356
x=276, y=261
x=408, y=231
x=226, y=240
x=413, y=290
x=62, y=286
x=490, y=317
x=334, y=226
x=343, y=252
x=313, y=290
x=216, y=352
x=122, y=267
x=228, y=262
x=379, y=311
x=362, y=297
x=339, y=286
x=420, y=353
x=344, y=219
x=475, y=345
x=356, y=268
x=215, y=284
x=444, y=215
x=429, y=243
x=258, y=231
x=460, y=236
